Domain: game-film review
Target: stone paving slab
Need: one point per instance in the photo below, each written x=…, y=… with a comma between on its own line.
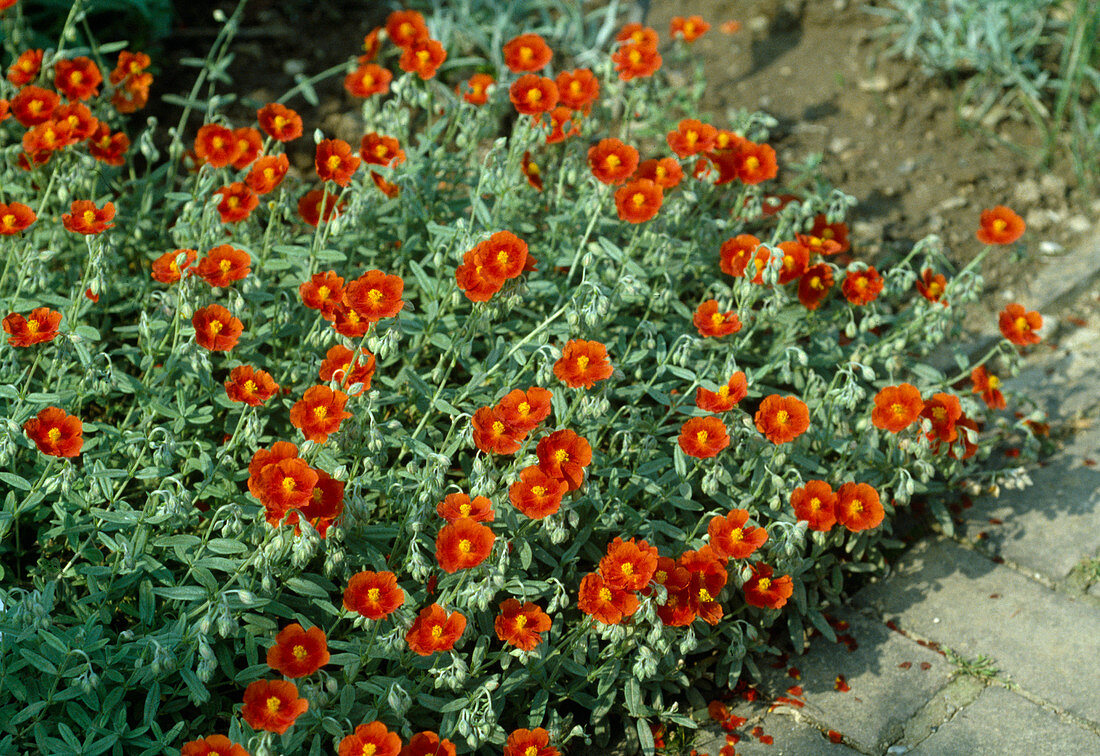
x=791, y=737
x=1044, y=641
x=1001, y=723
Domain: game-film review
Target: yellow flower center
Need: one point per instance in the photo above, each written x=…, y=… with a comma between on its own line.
x=406, y=29
x=8, y=220
x=373, y=595
x=521, y=620
x=737, y=534
x=702, y=437
x=815, y=504
x=375, y=296
x=464, y=510
x=939, y=413
x=225, y=265
x=333, y=162
x=660, y=576
x=32, y=325
x=612, y=161
x=502, y=257
x=627, y=568
x=250, y=387
x=634, y=56
x=704, y=596
x=561, y=456
x=815, y=283
x=534, y=94
x=320, y=412
x=999, y=225
x=531, y=751
x=498, y=428
x=299, y=652
x=464, y=546
x=782, y=416
x=638, y=199
x=524, y=408
x=76, y=77
x=764, y=584
x=54, y=435
x=660, y=172
x=533, y=168
x=214, y=328
x=217, y=143
x=280, y=122
x=582, y=362
x=856, y=506
x=717, y=318
x=605, y=594
x=369, y=749
x=233, y=202
x=575, y=87
x=1022, y=324
x=994, y=383
x=752, y=163
x=526, y=54
x=423, y=56
x=273, y=704
x=538, y=490
x=897, y=408
x=89, y=217
x=724, y=391
x=437, y=632
x=935, y=289
x=289, y=484
x=691, y=138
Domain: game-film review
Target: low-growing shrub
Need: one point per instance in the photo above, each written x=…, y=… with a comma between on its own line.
x=484, y=429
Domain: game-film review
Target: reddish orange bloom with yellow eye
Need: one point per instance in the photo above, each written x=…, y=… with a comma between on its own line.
x=335, y=161
x=298, y=652
x=237, y=202
x=712, y=323
x=223, y=265
x=815, y=503
x=526, y=53
x=374, y=595
x=1019, y=325
x=521, y=625
x=346, y=322
x=858, y=507
x=34, y=105
x=267, y=173
x=168, y=268
x=628, y=565
x=582, y=364
x=323, y=292
x=48, y=137
x=635, y=33
x=249, y=146
x=726, y=397
x=405, y=27
x=279, y=122
x=423, y=57
x=692, y=137
x=388, y=188
x=638, y=201
x=272, y=705
x=932, y=286
x=1000, y=226
x=608, y=605
x=492, y=434
x=634, y=61
x=213, y=745
x=55, y=432
x=533, y=95
x=107, y=147
x=337, y=366
x=279, y=451
x=943, y=410
x=216, y=145
x=367, y=80
x=665, y=173
x=477, y=282
x=564, y=455
x=531, y=170
x=25, y=68
x=688, y=29
x=766, y=591
x=559, y=117
x=833, y=236
x=477, y=89
x=503, y=255
x=731, y=538
x=77, y=79
x=319, y=412
x=250, y=386
x=534, y=742
x=324, y=507
x=989, y=386
x=428, y=744
x=736, y=253
x=795, y=259
x=611, y=161
x=459, y=506
x=434, y=630
x=284, y=484
x=524, y=410
x=748, y=162
x=379, y=149
x=782, y=418
x=706, y=579
x=37, y=328
x=376, y=295
x=814, y=285
x=537, y=494
x=862, y=287
x=15, y=218
x=897, y=407
x=703, y=437
x=85, y=218
x=578, y=89
x=79, y=118
x=373, y=739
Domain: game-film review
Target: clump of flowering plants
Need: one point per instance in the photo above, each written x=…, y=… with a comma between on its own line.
x=459, y=438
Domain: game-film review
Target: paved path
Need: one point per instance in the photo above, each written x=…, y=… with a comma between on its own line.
x=986, y=642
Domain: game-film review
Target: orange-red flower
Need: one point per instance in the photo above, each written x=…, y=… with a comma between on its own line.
x=633, y=60
x=782, y=418
x=578, y=89
x=368, y=79
x=532, y=95
x=457, y=506
x=703, y=437
x=323, y=292
x=559, y=117
x=129, y=64
x=279, y=122
x=564, y=455
x=1000, y=226
x=79, y=118
x=321, y=510
x=249, y=146
x=727, y=396
x=795, y=259
x=942, y=410
x=388, y=188
x=34, y=105
x=537, y=494
x=272, y=705
x=731, y=538
x=746, y=161
x=688, y=29
x=583, y=363
x=335, y=161
x=527, y=52
x=521, y=625
x=298, y=652
x=502, y=255
x=833, y=237
x=405, y=27
x=48, y=137
x=766, y=591
x=1019, y=325
x=524, y=410
x=237, y=202
x=858, y=507
x=37, y=328
x=423, y=57
x=815, y=503
x=896, y=407
x=319, y=412
x=473, y=278
x=534, y=742
x=463, y=544
x=279, y=451
x=283, y=483
x=709, y=322
x=168, y=268
x=611, y=161
x=434, y=630
x=638, y=201
x=706, y=579
x=379, y=149
x=375, y=595
x=373, y=739
x=692, y=137
x=861, y=287
x=736, y=253
x=55, y=432
x=628, y=565
x=376, y=295
x=608, y=605
x=25, y=68
x=636, y=33
x=107, y=147
x=85, y=218
x=814, y=285
x=492, y=433
x=337, y=366
x=428, y=744
x=478, y=89
x=989, y=386
x=77, y=79
x=213, y=745
x=250, y=386
x=15, y=218
x=932, y=286
x=267, y=173
x=665, y=173
x=223, y=265
x=216, y=145
x=215, y=328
